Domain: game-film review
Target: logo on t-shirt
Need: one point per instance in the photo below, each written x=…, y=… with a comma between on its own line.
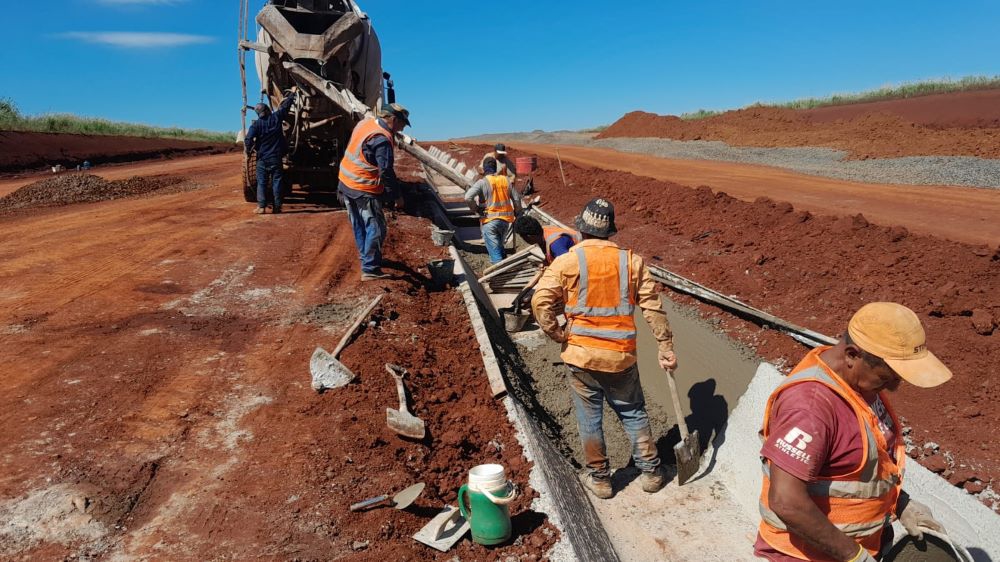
x=794, y=444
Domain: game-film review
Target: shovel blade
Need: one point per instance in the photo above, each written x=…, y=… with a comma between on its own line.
x=688, y=455
x=327, y=372
x=406, y=425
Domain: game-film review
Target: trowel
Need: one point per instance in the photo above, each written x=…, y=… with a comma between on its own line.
x=327, y=371
x=402, y=421
x=402, y=500
x=447, y=528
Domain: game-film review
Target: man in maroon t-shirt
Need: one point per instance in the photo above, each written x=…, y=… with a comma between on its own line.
x=814, y=433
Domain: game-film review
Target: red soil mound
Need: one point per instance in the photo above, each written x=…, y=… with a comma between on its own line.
x=960, y=124
x=816, y=271
x=20, y=151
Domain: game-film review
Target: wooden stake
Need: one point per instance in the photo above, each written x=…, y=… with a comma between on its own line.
x=561, y=172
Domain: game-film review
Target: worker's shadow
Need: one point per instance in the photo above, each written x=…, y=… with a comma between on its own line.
x=402, y=272
x=709, y=416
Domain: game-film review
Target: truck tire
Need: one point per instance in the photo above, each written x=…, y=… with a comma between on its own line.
x=250, y=177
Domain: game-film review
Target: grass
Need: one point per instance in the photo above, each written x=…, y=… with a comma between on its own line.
x=900, y=91
x=11, y=119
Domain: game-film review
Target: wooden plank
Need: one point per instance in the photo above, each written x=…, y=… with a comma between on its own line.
x=467, y=286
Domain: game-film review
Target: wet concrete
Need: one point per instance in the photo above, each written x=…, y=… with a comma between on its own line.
x=713, y=373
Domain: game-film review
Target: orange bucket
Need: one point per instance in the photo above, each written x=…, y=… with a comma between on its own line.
x=526, y=164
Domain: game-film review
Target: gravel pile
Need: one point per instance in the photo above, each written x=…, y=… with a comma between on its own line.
x=912, y=170
x=71, y=188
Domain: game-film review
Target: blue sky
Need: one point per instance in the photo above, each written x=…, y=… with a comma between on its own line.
x=465, y=67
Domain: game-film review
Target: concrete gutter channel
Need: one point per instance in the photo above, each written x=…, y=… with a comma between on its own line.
x=714, y=517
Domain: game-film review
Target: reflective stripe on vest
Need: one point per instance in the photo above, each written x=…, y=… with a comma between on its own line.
x=499, y=205
x=623, y=308
x=860, y=502
x=356, y=172
x=602, y=325
x=552, y=234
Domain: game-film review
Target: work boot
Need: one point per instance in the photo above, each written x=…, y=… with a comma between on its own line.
x=373, y=275
x=260, y=210
x=599, y=486
x=276, y=211
x=654, y=480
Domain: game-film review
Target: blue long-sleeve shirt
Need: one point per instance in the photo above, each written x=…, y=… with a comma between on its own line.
x=561, y=245
x=378, y=151
x=266, y=136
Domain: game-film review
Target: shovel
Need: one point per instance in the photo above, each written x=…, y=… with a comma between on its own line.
x=402, y=500
x=327, y=371
x=688, y=451
x=402, y=421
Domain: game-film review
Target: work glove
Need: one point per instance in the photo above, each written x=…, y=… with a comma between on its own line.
x=916, y=517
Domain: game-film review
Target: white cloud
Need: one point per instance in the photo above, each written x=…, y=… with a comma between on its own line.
x=139, y=2
x=135, y=39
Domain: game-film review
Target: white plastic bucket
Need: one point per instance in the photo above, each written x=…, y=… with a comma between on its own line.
x=490, y=479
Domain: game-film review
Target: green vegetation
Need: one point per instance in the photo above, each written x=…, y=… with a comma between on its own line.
x=11, y=119
x=700, y=114
x=901, y=91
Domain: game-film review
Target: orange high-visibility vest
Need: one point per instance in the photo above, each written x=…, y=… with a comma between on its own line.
x=552, y=233
x=499, y=205
x=599, y=308
x=355, y=171
x=860, y=502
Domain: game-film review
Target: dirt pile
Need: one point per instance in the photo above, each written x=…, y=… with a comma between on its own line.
x=816, y=271
x=22, y=151
x=70, y=188
x=963, y=124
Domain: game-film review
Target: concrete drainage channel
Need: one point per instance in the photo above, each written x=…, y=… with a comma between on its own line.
x=714, y=516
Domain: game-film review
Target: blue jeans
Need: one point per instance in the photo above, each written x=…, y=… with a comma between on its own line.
x=494, y=233
x=265, y=168
x=368, y=223
x=624, y=394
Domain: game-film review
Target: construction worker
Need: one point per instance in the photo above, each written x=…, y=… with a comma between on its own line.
x=504, y=165
x=552, y=240
x=367, y=179
x=267, y=138
x=600, y=284
x=494, y=200
x=833, y=449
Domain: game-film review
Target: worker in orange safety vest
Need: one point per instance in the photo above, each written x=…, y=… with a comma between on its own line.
x=599, y=286
x=495, y=200
x=833, y=450
x=368, y=179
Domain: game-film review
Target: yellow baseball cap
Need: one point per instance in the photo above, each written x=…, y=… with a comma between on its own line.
x=893, y=333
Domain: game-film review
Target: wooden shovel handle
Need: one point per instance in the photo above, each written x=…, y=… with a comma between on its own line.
x=677, y=404
x=398, y=373
x=354, y=327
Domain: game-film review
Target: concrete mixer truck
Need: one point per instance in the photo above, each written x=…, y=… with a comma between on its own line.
x=328, y=52
x=315, y=47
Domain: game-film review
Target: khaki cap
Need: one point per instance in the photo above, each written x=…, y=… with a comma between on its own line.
x=893, y=333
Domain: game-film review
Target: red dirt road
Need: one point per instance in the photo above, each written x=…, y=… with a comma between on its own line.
x=155, y=392
x=956, y=213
